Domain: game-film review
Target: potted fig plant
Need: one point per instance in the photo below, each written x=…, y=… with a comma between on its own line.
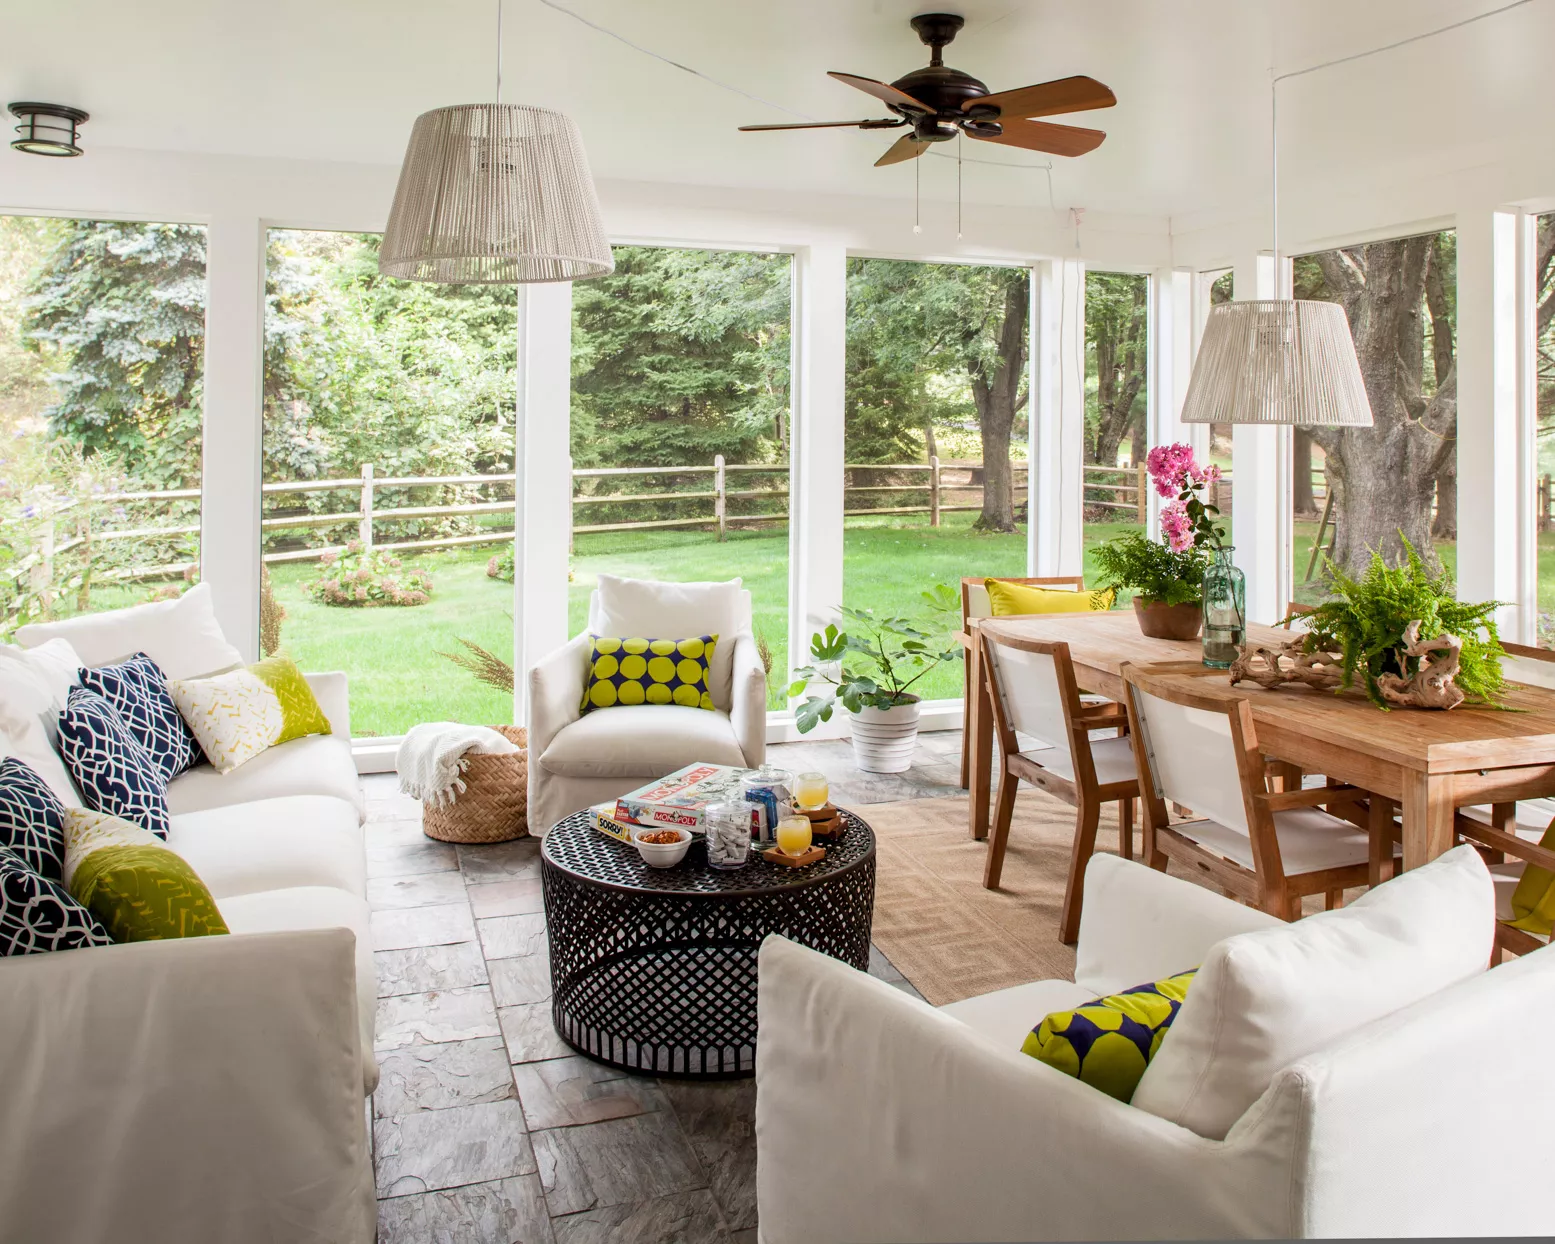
x=870, y=669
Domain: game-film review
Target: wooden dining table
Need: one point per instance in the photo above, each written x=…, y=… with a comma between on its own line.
x=1427, y=762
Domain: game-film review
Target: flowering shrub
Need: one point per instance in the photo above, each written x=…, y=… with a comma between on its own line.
x=361, y=577
x=1186, y=521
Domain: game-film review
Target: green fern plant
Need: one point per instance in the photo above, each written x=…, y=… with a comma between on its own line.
x=1365, y=618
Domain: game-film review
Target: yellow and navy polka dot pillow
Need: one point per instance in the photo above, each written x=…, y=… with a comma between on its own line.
x=1108, y=1043
x=649, y=671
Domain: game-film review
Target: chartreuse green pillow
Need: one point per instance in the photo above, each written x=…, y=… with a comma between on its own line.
x=1108, y=1043
x=624, y=672
x=239, y=714
x=1533, y=901
x=1006, y=599
x=126, y=877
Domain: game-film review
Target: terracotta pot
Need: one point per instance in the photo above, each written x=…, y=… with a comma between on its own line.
x=1160, y=621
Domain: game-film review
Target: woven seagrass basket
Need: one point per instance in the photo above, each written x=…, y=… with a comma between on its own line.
x=494, y=805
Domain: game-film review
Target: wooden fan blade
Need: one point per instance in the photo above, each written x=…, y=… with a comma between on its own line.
x=904, y=148
x=825, y=125
x=1046, y=99
x=1064, y=140
x=880, y=90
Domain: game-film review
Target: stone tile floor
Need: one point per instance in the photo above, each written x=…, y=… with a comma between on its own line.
x=487, y=1129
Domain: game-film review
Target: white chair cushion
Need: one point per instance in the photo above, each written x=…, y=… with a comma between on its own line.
x=182, y=636
x=1264, y=999
x=274, y=844
x=1311, y=841
x=1533, y=816
x=655, y=610
x=1005, y=1016
x=1505, y=878
x=317, y=907
x=1113, y=758
x=319, y=764
x=33, y=688
x=645, y=740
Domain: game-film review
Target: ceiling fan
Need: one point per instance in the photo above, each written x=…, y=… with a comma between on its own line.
x=939, y=102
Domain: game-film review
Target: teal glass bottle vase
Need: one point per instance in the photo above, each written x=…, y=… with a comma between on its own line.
x=1225, y=610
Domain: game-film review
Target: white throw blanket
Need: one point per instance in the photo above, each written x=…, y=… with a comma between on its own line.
x=432, y=756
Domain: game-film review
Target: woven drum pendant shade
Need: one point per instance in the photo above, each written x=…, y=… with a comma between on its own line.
x=1281, y=361
x=495, y=194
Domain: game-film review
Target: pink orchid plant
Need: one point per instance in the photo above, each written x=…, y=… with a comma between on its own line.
x=1187, y=521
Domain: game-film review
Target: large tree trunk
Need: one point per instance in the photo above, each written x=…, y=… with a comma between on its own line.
x=1302, y=500
x=997, y=397
x=1446, y=525
x=1388, y=473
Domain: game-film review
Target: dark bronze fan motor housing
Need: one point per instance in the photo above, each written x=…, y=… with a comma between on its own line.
x=940, y=103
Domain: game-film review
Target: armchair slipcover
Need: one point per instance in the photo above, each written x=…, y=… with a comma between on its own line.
x=880, y=1118
x=578, y=759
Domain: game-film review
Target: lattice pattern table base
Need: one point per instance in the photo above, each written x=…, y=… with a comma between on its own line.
x=656, y=971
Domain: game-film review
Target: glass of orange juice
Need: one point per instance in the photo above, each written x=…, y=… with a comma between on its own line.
x=811, y=790
x=793, y=835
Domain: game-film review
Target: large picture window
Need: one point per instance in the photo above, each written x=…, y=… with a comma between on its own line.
x=1117, y=377
x=680, y=429
x=936, y=433
x=388, y=482
x=1544, y=379
x=1360, y=490
x=102, y=335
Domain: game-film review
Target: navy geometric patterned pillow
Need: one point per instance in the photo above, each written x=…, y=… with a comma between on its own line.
x=115, y=774
x=32, y=819
x=137, y=690
x=37, y=913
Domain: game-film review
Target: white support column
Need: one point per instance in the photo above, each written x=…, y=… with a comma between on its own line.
x=542, y=451
x=1496, y=543
x=1056, y=527
x=816, y=451
x=1260, y=476
x=1172, y=343
x=234, y=424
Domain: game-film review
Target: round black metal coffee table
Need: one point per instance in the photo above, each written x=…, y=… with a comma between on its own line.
x=654, y=969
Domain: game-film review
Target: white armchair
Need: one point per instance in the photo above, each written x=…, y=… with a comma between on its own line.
x=578, y=759
x=879, y=1118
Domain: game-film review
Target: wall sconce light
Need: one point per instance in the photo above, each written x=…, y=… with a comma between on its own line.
x=47, y=129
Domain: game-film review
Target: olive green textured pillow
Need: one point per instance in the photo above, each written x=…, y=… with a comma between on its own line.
x=239, y=714
x=138, y=889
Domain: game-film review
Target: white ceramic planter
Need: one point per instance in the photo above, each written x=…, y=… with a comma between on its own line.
x=884, y=738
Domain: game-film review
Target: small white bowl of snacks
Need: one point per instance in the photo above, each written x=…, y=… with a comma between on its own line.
x=662, y=846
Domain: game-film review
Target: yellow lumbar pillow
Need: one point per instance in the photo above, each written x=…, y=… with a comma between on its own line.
x=1008, y=599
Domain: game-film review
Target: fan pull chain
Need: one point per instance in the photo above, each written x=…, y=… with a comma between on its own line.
x=917, y=196
x=958, y=187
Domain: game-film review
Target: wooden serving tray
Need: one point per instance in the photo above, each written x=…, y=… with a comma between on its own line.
x=825, y=822
x=812, y=856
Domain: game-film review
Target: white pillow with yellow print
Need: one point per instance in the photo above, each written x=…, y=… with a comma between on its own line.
x=624, y=672
x=239, y=714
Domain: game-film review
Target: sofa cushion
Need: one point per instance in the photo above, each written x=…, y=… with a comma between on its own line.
x=274, y=844
x=33, y=691
x=647, y=742
x=126, y=877
x=37, y=913
x=182, y=636
x=317, y=907
x=32, y=819
x=1004, y=1017
x=114, y=773
x=320, y=764
x=1263, y=1000
x=626, y=607
x=137, y=689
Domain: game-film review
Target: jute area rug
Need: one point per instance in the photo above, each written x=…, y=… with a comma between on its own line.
x=937, y=924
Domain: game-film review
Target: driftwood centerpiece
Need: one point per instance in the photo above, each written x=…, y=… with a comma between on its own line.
x=1435, y=663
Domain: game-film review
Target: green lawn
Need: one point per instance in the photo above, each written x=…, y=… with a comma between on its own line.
x=398, y=680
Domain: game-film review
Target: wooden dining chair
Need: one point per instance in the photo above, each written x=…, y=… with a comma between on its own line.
x=1497, y=843
x=1527, y=818
x=1199, y=749
x=975, y=604
x=1294, y=612
x=1032, y=687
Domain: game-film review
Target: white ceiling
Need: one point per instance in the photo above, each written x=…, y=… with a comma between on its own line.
x=343, y=79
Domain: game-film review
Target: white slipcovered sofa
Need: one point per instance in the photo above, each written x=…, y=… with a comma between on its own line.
x=577, y=759
x=880, y=1118
x=206, y=1088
